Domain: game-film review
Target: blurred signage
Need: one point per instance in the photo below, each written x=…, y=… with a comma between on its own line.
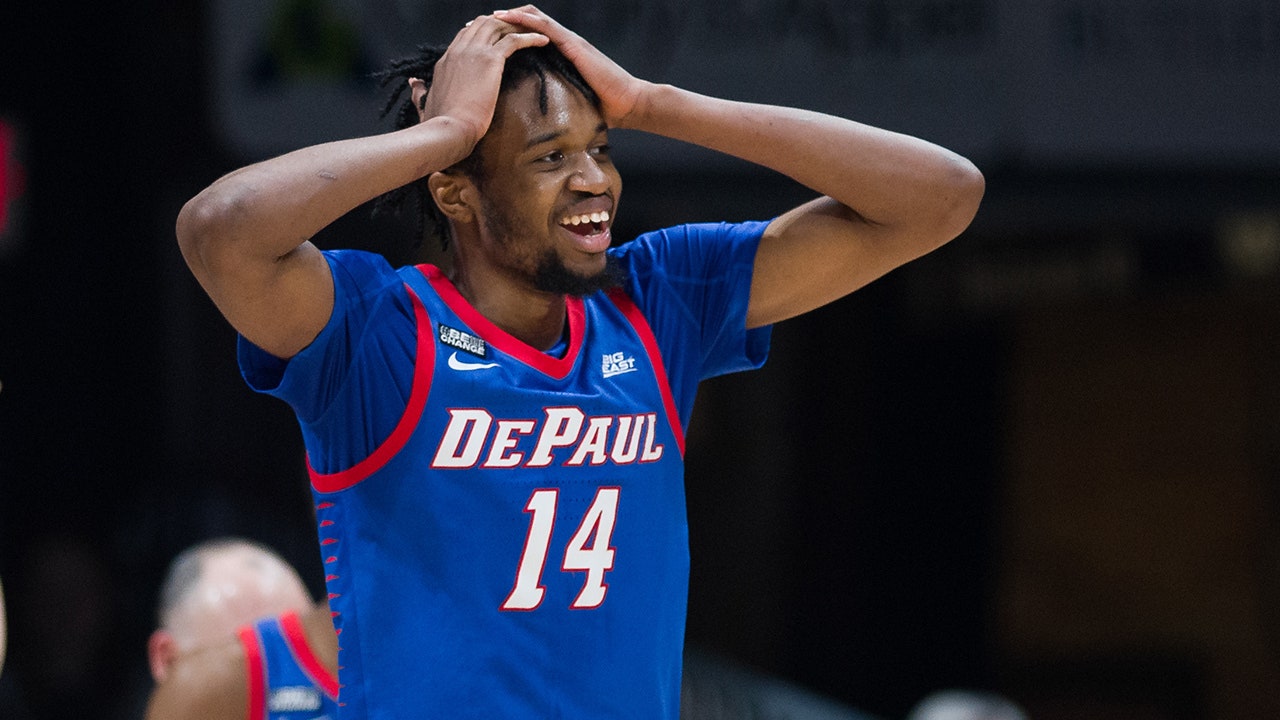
x=1043, y=82
x=288, y=73
x=1144, y=81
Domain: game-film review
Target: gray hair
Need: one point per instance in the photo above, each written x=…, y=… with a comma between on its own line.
x=187, y=567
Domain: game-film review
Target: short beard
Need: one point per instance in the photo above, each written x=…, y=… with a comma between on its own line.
x=553, y=277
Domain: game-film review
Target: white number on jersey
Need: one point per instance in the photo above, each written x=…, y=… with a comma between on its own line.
x=588, y=551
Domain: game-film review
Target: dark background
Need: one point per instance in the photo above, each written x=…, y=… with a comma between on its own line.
x=1039, y=461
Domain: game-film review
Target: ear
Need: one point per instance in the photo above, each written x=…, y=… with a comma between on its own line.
x=162, y=651
x=455, y=194
x=418, y=93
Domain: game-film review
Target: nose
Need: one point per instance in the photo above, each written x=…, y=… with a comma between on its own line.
x=588, y=176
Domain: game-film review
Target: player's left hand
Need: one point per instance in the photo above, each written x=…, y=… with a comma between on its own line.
x=621, y=93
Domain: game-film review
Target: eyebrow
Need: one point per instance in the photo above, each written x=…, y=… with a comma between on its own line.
x=549, y=136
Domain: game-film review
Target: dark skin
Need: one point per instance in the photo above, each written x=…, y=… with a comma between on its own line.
x=885, y=198
x=538, y=170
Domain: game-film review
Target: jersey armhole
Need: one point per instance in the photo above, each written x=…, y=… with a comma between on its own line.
x=423, y=368
x=650, y=342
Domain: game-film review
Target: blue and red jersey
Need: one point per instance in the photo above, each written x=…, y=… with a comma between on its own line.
x=284, y=677
x=503, y=529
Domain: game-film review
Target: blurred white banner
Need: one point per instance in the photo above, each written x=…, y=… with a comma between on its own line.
x=1113, y=83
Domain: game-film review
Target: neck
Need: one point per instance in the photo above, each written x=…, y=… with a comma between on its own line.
x=531, y=316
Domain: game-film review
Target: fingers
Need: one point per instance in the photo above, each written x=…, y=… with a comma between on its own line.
x=489, y=30
x=617, y=89
x=532, y=18
x=516, y=41
x=467, y=77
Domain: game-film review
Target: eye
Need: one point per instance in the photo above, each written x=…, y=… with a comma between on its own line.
x=600, y=151
x=555, y=156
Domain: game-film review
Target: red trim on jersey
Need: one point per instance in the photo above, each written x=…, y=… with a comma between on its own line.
x=296, y=638
x=641, y=325
x=424, y=364
x=255, y=674
x=555, y=367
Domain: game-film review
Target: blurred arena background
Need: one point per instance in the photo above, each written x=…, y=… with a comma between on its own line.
x=1040, y=462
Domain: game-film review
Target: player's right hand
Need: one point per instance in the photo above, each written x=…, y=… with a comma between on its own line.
x=467, y=77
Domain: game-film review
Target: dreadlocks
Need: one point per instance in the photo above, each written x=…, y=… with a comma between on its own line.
x=529, y=62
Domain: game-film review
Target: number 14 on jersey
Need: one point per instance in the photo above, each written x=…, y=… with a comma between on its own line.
x=595, y=558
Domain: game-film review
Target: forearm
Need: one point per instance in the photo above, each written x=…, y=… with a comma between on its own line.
x=270, y=208
x=894, y=182
x=885, y=177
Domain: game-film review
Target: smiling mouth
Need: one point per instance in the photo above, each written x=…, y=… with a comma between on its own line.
x=586, y=224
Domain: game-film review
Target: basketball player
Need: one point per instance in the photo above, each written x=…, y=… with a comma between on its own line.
x=240, y=638
x=497, y=451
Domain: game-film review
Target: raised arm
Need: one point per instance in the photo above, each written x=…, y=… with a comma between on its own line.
x=887, y=198
x=247, y=236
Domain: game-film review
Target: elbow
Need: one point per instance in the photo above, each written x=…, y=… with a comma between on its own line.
x=204, y=227
x=191, y=228
x=960, y=194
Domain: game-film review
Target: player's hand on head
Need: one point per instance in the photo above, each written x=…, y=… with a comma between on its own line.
x=621, y=93
x=467, y=77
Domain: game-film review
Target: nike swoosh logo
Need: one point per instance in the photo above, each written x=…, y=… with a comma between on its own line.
x=457, y=364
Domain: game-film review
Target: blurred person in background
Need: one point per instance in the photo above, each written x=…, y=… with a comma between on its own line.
x=278, y=668
x=213, y=588
x=239, y=638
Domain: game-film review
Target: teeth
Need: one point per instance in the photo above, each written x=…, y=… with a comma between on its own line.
x=595, y=217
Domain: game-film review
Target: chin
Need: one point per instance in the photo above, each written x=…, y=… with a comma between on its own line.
x=555, y=277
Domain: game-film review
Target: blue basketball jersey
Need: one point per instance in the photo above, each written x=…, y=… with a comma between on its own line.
x=503, y=530
x=286, y=681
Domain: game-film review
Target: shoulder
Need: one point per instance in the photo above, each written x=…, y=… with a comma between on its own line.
x=207, y=685
x=689, y=258
x=360, y=269
x=692, y=245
